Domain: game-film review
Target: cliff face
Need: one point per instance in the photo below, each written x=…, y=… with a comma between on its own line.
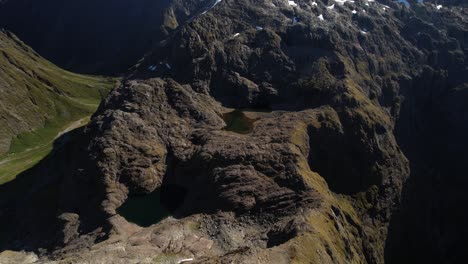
x=355, y=95
x=431, y=132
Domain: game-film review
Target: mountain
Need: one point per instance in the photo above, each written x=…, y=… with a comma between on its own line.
x=38, y=99
x=460, y=3
x=105, y=37
x=266, y=132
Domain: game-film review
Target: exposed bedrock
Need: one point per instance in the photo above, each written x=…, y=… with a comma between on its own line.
x=160, y=134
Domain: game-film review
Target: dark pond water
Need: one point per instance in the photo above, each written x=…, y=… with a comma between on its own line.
x=144, y=210
x=237, y=121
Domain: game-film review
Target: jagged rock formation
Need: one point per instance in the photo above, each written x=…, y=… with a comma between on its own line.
x=315, y=181
x=33, y=91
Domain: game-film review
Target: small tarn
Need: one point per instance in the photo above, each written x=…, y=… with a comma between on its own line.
x=238, y=122
x=144, y=210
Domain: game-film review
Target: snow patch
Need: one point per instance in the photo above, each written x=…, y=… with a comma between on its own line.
x=321, y=17
x=331, y=7
x=342, y=2
x=185, y=260
x=292, y=3
x=216, y=3
x=439, y=7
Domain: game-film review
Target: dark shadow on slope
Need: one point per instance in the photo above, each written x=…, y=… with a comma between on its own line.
x=31, y=204
x=431, y=224
x=99, y=36
x=347, y=165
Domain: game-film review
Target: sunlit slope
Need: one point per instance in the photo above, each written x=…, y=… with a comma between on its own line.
x=38, y=100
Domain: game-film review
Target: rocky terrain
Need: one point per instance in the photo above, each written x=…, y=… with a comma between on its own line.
x=355, y=113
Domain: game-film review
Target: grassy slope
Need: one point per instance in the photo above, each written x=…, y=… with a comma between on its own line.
x=38, y=100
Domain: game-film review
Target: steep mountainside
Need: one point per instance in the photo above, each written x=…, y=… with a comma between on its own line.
x=448, y=2
x=91, y=36
x=347, y=144
x=37, y=99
